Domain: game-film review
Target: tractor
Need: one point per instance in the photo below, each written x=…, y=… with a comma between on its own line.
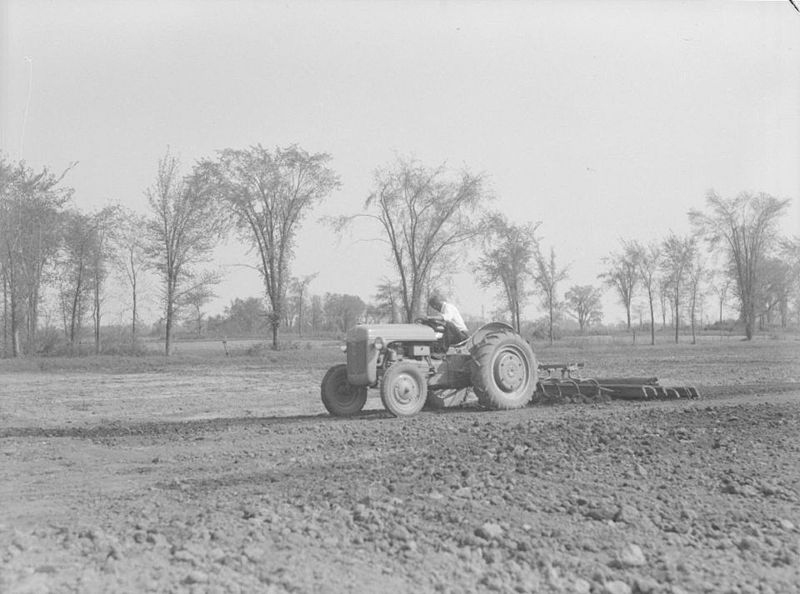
x=413, y=365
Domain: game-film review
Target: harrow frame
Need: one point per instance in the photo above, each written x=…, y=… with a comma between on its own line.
x=560, y=380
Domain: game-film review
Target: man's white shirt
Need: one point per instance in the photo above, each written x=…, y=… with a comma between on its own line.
x=450, y=314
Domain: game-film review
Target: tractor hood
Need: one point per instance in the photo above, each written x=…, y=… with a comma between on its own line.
x=390, y=333
x=366, y=341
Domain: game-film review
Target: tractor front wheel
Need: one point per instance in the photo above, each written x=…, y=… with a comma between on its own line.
x=341, y=398
x=503, y=370
x=404, y=389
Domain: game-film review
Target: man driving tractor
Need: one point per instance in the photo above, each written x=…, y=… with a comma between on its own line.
x=455, y=327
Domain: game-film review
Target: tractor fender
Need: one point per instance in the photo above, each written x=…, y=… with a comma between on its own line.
x=478, y=336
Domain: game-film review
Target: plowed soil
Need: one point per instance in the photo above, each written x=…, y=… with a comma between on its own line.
x=226, y=475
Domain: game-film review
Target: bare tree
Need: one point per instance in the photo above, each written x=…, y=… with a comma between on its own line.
x=547, y=275
x=104, y=223
x=270, y=193
x=128, y=256
x=439, y=280
x=584, y=303
x=746, y=227
x=622, y=274
x=647, y=263
x=508, y=252
x=316, y=313
x=425, y=214
x=677, y=256
x=195, y=299
x=75, y=260
x=387, y=301
x=664, y=297
x=720, y=285
x=299, y=289
x=183, y=228
x=697, y=275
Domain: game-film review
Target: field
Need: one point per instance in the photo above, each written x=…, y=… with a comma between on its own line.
x=208, y=473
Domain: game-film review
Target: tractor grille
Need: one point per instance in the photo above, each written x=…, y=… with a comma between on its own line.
x=357, y=360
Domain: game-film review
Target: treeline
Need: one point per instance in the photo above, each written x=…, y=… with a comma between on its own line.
x=733, y=256
x=57, y=261
x=310, y=316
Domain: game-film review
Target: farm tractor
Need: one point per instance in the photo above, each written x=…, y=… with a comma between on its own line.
x=413, y=366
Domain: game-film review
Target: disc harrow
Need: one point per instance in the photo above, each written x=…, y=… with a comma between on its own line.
x=564, y=380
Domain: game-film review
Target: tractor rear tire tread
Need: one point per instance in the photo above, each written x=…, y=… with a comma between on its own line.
x=488, y=374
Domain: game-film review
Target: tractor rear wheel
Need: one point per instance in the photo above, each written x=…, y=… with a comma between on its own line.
x=504, y=371
x=404, y=389
x=341, y=398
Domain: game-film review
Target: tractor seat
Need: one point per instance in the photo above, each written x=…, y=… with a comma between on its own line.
x=458, y=346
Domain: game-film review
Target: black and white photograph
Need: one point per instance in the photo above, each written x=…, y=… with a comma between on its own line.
x=403, y=296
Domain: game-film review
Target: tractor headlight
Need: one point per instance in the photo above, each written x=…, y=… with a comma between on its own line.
x=378, y=344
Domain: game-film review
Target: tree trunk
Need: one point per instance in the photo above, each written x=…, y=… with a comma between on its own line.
x=74, y=314
x=133, y=317
x=33, y=319
x=275, y=324
x=5, y=315
x=749, y=320
x=15, y=350
x=96, y=318
x=168, y=331
x=168, y=321
x=677, y=316
x=17, y=347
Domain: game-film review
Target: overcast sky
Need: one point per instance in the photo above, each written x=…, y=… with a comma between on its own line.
x=603, y=120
